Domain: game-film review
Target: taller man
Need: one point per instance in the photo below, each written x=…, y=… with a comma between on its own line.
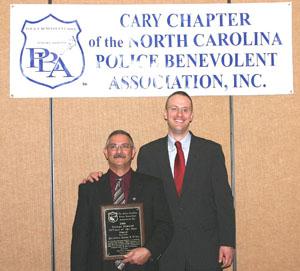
x=202, y=211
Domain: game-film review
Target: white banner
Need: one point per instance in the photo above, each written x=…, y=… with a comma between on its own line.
x=150, y=50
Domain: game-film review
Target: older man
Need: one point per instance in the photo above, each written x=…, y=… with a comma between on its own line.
x=86, y=254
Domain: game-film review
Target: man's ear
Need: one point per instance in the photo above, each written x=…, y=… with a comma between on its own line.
x=133, y=153
x=192, y=116
x=105, y=153
x=165, y=115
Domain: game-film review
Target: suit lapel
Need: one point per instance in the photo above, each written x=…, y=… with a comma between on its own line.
x=104, y=191
x=165, y=168
x=166, y=171
x=135, y=188
x=193, y=162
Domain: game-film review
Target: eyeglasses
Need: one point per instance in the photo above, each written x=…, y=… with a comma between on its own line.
x=124, y=146
x=177, y=109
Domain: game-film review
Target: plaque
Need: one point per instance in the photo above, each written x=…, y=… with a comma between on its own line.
x=122, y=229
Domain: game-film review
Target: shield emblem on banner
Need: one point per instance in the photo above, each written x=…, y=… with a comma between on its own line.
x=52, y=55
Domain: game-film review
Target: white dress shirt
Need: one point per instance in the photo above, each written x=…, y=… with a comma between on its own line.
x=185, y=143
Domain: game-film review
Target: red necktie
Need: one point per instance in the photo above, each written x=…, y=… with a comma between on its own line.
x=179, y=168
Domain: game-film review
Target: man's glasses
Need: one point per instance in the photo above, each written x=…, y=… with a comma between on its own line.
x=124, y=146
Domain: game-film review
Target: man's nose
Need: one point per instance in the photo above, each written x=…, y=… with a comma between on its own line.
x=119, y=149
x=179, y=111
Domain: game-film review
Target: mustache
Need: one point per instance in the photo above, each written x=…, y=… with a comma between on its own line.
x=119, y=155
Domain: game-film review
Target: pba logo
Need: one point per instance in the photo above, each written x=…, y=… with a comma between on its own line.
x=52, y=55
x=112, y=217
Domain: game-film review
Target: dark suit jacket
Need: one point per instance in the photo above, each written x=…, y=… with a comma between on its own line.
x=86, y=248
x=204, y=214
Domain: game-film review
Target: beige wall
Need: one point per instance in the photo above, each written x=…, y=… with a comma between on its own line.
x=267, y=140
x=24, y=171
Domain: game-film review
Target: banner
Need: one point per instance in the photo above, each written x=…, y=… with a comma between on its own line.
x=150, y=50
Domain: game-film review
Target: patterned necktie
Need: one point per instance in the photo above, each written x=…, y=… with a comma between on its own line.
x=119, y=198
x=179, y=168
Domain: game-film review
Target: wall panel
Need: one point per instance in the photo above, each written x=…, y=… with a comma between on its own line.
x=81, y=129
x=24, y=185
x=267, y=133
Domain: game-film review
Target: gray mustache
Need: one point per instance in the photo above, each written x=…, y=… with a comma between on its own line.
x=119, y=155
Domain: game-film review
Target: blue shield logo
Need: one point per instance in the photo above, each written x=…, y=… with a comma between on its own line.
x=52, y=55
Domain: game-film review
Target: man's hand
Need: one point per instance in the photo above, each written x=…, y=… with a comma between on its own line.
x=226, y=256
x=138, y=256
x=93, y=176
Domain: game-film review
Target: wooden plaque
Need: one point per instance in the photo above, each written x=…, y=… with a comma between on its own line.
x=122, y=229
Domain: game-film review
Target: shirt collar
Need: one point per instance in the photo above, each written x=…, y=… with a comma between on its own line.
x=185, y=142
x=113, y=176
